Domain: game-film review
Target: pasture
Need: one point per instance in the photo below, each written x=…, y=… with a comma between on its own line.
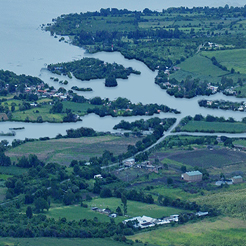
x=223, y=231
x=204, y=126
x=234, y=58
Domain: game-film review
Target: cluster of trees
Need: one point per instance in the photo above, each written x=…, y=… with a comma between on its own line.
x=216, y=63
x=11, y=82
x=123, y=107
x=221, y=104
x=20, y=225
x=80, y=132
x=145, y=125
x=76, y=88
x=91, y=68
x=188, y=88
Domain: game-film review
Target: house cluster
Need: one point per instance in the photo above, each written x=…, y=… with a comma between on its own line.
x=41, y=92
x=230, y=92
x=214, y=89
x=145, y=221
x=210, y=45
x=234, y=180
x=143, y=165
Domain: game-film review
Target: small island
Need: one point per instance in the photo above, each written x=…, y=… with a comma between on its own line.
x=91, y=68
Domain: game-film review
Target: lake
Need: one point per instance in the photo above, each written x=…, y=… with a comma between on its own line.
x=26, y=49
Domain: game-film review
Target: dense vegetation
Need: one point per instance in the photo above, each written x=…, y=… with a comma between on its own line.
x=91, y=68
x=142, y=125
x=11, y=83
x=221, y=104
x=123, y=107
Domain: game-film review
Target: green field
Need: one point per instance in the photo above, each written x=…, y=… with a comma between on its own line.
x=135, y=208
x=75, y=212
x=33, y=113
x=234, y=58
x=204, y=126
x=78, y=108
x=199, y=67
x=224, y=231
x=59, y=241
x=231, y=200
x=67, y=149
x=12, y=170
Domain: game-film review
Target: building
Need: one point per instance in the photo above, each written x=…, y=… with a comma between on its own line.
x=142, y=222
x=129, y=162
x=193, y=176
x=98, y=176
x=237, y=179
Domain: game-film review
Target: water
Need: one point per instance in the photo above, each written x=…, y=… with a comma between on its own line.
x=26, y=49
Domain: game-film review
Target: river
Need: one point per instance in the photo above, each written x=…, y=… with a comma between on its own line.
x=26, y=49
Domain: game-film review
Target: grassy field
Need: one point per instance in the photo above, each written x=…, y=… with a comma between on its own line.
x=234, y=58
x=204, y=126
x=199, y=67
x=12, y=170
x=33, y=113
x=224, y=231
x=65, y=150
x=135, y=208
x=76, y=212
x=230, y=200
x=59, y=241
x=78, y=108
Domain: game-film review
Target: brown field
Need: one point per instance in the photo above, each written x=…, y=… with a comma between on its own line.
x=64, y=150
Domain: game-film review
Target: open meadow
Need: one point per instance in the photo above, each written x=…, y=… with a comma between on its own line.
x=225, y=231
x=234, y=58
x=76, y=212
x=204, y=126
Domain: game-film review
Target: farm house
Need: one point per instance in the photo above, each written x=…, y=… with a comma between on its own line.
x=193, y=176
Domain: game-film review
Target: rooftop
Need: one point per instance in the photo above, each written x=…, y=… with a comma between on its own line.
x=193, y=173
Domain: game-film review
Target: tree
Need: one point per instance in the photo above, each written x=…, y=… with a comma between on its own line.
x=69, y=198
x=110, y=81
x=118, y=211
x=41, y=204
x=4, y=160
x=57, y=108
x=29, y=212
x=183, y=169
x=39, y=119
x=124, y=201
x=105, y=192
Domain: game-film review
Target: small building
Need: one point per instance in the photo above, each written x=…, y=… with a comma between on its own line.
x=199, y=214
x=129, y=162
x=98, y=176
x=113, y=215
x=223, y=182
x=237, y=179
x=193, y=176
